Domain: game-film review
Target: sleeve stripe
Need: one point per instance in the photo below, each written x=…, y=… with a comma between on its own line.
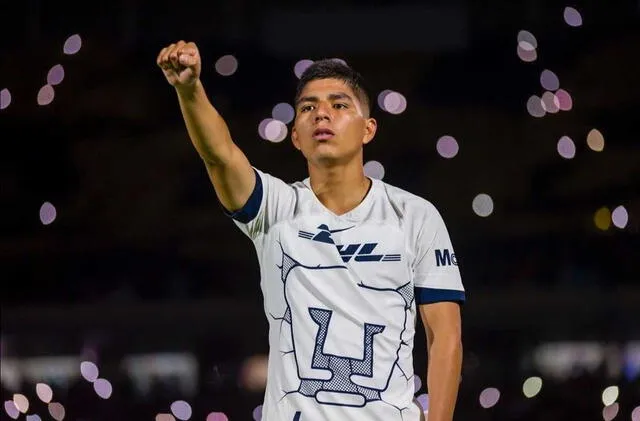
x=435, y=295
x=252, y=207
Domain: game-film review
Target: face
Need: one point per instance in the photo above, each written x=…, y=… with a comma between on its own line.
x=330, y=127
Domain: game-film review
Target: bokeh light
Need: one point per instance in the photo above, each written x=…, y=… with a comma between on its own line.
x=447, y=146
x=374, y=169
x=572, y=17
x=423, y=402
x=602, y=220
x=393, y=102
x=5, y=98
x=527, y=40
x=11, y=410
x=534, y=106
x=527, y=45
x=221, y=416
x=181, y=410
x=620, y=217
x=381, y=96
x=549, y=80
x=635, y=414
x=89, y=371
x=44, y=392
x=566, y=148
x=610, y=412
x=550, y=102
x=103, y=388
x=226, y=65
x=21, y=402
x=489, y=397
x=72, y=45
x=272, y=130
x=275, y=131
x=610, y=395
x=165, y=417
x=283, y=112
x=56, y=410
x=595, y=140
x=262, y=126
x=253, y=373
x=55, y=75
x=482, y=205
x=532, y=386
x=526, y=53
x=34, y=417
x=564, y=99
x=257, y=413
x=417, y=383
x=46, y=95
x=48, y=213
x=301, y=66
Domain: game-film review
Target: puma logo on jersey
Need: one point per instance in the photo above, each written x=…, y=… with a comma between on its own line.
x=324, y=236
x=358, y=252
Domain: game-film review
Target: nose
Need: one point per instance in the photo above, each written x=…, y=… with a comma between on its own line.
x=322, y=112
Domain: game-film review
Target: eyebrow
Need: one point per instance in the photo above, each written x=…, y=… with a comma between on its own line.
x=332, y=97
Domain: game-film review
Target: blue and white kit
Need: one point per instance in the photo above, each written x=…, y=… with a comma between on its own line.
x=340, y=293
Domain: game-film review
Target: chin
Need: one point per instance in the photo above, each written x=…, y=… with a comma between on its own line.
x=326, y=154
x=324, y=151
x=328, y=159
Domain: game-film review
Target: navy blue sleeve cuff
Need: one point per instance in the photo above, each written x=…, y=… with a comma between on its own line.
x=250, y=209
x=436, y=295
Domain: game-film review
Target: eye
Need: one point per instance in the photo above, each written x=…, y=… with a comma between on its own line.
x=340, y=106
x=306, y=108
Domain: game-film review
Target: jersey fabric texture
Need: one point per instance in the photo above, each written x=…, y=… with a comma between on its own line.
x=340, y=293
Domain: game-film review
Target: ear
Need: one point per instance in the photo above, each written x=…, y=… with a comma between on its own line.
x=370, y=128
x=294, y=138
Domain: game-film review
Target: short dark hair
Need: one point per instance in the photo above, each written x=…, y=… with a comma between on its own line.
x=335, y=69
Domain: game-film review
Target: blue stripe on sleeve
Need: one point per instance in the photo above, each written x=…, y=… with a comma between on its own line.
x=436, y=295
x=251, y=208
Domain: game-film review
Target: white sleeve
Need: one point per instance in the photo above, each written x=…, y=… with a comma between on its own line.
x=271, y=201
x=435, y=268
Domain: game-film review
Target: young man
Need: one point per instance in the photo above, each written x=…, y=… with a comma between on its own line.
x=345, y=260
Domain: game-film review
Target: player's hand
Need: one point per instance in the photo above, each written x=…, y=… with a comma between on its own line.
x=180, y=63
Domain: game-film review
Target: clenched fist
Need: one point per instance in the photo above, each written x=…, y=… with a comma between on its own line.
x=180, y=63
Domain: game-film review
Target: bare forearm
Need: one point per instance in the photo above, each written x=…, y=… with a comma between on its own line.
x=207, y=129
x=229, y=170
x=443, y=377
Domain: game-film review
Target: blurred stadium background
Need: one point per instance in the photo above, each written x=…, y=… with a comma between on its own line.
x=128, y=295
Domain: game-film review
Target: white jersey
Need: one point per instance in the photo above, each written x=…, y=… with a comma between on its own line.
x=340, y=294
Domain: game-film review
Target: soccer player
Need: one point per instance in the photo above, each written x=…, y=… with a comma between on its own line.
x=347, y=262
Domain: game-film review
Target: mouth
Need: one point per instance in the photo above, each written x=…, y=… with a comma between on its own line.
x=323, y=134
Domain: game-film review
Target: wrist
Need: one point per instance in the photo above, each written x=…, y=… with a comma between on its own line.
x=189, y=91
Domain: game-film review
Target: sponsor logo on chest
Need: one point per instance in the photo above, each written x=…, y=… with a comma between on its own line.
x=358, y=252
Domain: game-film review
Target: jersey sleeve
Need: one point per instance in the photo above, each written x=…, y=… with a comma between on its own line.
x=435, y=267
x=272, y=200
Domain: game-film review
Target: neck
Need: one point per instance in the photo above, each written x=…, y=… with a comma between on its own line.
x=339, y=188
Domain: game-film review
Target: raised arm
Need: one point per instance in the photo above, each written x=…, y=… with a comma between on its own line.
x=230, y=172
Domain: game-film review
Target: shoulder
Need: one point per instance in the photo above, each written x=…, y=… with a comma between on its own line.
x=276, y=181
x=407, y=203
